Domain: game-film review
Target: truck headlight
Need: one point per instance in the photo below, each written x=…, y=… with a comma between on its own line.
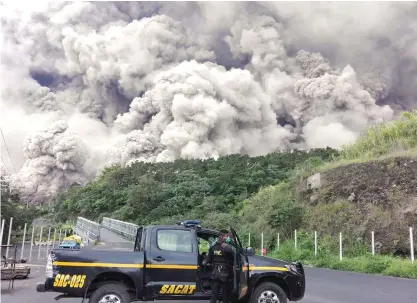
x=292, y=267
x=49, y=273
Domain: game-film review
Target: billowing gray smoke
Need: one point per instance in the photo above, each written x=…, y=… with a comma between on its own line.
x=54, y=156
x=85, y=85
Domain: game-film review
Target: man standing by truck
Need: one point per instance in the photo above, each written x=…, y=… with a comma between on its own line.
x=221, y=258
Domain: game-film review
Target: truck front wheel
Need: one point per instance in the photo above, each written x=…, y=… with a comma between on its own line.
x=110, y=293
x=268, y=293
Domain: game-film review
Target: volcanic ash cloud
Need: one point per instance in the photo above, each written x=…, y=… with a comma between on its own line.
x=201, y=110
x=55, y=160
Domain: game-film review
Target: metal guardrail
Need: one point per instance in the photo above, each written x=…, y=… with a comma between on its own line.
x=88, y=228
x=124, y=229
x=85, y=235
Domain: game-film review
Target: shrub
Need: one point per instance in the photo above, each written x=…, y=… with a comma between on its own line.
x=327, y=257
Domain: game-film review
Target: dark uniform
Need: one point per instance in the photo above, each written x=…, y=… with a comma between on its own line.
x=221, y=257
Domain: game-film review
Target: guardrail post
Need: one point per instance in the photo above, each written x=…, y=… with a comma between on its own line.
x=373, y=243
x=53, y=243
x=340, y=247
x=40, y=244
x=8, y=239
x=47, y=243
x=278, y=242
x=315, y=243
x=412, y=244
x=31, y=243
x=2, y=230
x=23, y=242
x=262, y=244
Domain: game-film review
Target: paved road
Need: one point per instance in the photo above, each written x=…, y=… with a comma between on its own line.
x=113, y=241
x=323, y=286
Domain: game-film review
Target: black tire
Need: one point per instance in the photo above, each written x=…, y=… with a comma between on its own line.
x=268, y=287
x=117, y=290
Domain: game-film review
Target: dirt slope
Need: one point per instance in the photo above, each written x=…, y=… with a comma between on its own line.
x=377, y=195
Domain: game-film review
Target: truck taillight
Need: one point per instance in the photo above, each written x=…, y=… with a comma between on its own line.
x=49, y=273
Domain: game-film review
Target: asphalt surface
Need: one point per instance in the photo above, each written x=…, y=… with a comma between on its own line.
x=323, y=285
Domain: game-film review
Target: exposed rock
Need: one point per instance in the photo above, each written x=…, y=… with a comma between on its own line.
x=314, y=182
x=314, y=199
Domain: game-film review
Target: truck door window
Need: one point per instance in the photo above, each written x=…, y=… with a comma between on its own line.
x=174, y=240
x=143, y=239
x=139, y=239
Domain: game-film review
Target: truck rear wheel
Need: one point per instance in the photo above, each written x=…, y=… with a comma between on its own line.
x=268, y=293
x=110, y=293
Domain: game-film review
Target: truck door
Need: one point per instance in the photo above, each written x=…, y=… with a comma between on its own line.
x=171, y=265
x=241, y=268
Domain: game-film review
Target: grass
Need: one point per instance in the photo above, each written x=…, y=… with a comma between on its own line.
x=363, y=262
x=397, y=138
x=385, y=138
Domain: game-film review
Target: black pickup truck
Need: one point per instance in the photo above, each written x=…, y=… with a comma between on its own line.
x=166, y=264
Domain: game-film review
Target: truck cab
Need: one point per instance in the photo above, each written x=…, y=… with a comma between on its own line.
x=167, y=264
x=176, y=253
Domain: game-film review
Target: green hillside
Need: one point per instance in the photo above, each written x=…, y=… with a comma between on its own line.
x=211, y=190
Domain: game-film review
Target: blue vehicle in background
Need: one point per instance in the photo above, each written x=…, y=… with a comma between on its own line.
x=72, y=242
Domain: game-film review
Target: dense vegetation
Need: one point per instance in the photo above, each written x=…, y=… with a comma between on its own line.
x=211, y=190
x=11, y=206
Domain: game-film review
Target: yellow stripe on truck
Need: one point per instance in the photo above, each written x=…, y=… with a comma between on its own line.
x=171, y=266
x=266, y=268
x=125, y=265
x=85, y=264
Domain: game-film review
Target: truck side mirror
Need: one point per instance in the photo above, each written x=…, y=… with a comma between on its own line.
x=250, y=251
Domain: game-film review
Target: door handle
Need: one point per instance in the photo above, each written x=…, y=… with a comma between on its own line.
x=159, y=259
